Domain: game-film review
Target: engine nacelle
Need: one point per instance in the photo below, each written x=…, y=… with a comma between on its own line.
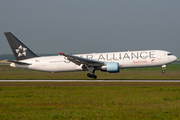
x=111, y=67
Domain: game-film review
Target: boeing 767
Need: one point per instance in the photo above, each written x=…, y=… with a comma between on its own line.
x=110, y=62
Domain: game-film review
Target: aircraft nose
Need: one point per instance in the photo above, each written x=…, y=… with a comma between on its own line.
x=174, y=58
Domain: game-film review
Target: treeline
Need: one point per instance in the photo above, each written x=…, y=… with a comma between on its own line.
x=11, y=56
x=7, y=57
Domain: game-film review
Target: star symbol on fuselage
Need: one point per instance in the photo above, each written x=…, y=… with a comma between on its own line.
x=21, y=51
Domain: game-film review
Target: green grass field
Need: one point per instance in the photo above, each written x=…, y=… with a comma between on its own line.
x=87, y=101
x=172, y=72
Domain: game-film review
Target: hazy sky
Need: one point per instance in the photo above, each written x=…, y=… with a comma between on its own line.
x=88, y=26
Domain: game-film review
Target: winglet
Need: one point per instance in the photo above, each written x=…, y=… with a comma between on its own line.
x=61, y=53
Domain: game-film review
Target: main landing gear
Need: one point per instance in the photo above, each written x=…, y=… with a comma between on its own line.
x=163, y=67
x=92, y=75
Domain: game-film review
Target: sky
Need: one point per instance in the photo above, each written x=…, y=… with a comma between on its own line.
x=91, y=26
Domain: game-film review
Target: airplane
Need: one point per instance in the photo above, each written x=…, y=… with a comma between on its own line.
x=110, y=62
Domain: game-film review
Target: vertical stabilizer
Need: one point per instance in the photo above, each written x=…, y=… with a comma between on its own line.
x=20, y=50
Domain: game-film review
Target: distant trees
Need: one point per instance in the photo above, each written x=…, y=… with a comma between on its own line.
x=7, y=57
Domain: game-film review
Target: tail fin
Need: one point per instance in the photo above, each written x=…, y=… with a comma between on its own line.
x=20, y=50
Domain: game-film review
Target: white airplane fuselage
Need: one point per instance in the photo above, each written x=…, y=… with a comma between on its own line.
x=129, y=59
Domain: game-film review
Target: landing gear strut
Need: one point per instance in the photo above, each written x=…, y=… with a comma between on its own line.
x=92, y=75
x=163, y=67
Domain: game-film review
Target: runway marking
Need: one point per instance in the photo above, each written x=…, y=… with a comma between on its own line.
x=89, y=80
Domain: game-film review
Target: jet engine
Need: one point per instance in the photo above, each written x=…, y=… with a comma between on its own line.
x=111, y=67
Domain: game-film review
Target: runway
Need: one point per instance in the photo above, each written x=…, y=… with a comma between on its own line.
x=89, y=80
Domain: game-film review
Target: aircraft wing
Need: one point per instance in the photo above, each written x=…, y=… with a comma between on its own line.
x=79, y=60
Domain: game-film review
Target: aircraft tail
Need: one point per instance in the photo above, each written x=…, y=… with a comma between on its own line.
x=20, y=50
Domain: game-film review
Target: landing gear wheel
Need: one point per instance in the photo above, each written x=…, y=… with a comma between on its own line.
x=91, y=76
x=94, y=76
x=163, y=69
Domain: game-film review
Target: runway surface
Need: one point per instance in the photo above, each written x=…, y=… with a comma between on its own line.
x=89, y=80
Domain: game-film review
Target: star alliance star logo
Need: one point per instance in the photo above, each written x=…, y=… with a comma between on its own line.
x=21, y=51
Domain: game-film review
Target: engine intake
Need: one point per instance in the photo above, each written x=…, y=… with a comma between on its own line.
x=111, y=67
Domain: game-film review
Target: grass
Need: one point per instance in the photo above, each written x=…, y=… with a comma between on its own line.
x=172, y=72
x=90, y=101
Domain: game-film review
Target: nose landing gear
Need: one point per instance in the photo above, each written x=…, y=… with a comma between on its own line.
x=163, y=71
x=163, y=67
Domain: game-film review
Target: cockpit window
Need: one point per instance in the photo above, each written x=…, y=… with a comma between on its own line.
x=169, y=54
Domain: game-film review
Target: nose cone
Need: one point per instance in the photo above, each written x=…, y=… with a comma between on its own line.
x=174, y=58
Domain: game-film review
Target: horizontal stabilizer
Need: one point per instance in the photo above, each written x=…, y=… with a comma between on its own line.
x=20, y=63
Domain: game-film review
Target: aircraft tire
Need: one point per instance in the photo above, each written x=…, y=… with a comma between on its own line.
x=89, y=75
x=94, y=76
x=163, y=71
